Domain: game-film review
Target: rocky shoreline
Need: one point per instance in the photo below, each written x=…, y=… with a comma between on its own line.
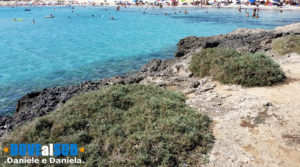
x=37, y=104
x=171, y=73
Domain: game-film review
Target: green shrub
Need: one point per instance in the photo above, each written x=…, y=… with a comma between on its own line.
x=125, y=125
x=287, y=44
x=230, y=67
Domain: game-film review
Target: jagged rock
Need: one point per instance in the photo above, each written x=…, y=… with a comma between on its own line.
x=246, y=40
x=205, y=87
x=195, y=84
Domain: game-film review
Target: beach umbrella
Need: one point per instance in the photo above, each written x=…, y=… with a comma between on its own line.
x=251, y=1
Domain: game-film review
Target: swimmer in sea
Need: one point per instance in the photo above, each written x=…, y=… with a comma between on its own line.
x=185, y=12
x=166, y=14
x=257, y=16
x=15, y=20
x=247, y=14
x=33, y=21
x=93, y=15
x=112, y=18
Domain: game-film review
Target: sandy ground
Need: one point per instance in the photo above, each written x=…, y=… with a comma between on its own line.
x=265, y=130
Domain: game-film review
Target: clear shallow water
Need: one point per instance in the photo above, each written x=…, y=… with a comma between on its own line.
x=63, y=50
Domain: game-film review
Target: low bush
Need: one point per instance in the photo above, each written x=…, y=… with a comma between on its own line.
x=231, y=67
x=287, y=44
x=125, y=125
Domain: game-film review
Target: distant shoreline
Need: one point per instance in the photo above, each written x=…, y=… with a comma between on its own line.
x=235, y=6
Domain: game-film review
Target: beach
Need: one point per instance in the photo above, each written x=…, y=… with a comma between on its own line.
x=147, y=4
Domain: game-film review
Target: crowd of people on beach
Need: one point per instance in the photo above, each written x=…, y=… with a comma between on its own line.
x=160, y=3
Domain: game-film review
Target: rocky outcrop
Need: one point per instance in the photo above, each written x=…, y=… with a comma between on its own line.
x=245, y=40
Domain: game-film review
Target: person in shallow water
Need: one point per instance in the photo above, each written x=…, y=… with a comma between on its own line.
x=247, y=14
x=257, y=16
x=50, y=16
x=185, y=12
x=33, y=21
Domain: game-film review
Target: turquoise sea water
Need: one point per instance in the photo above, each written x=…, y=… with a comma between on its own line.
x=74, y=47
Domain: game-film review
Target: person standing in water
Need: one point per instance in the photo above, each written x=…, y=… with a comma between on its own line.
x=33, y=21
x=254, y=13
